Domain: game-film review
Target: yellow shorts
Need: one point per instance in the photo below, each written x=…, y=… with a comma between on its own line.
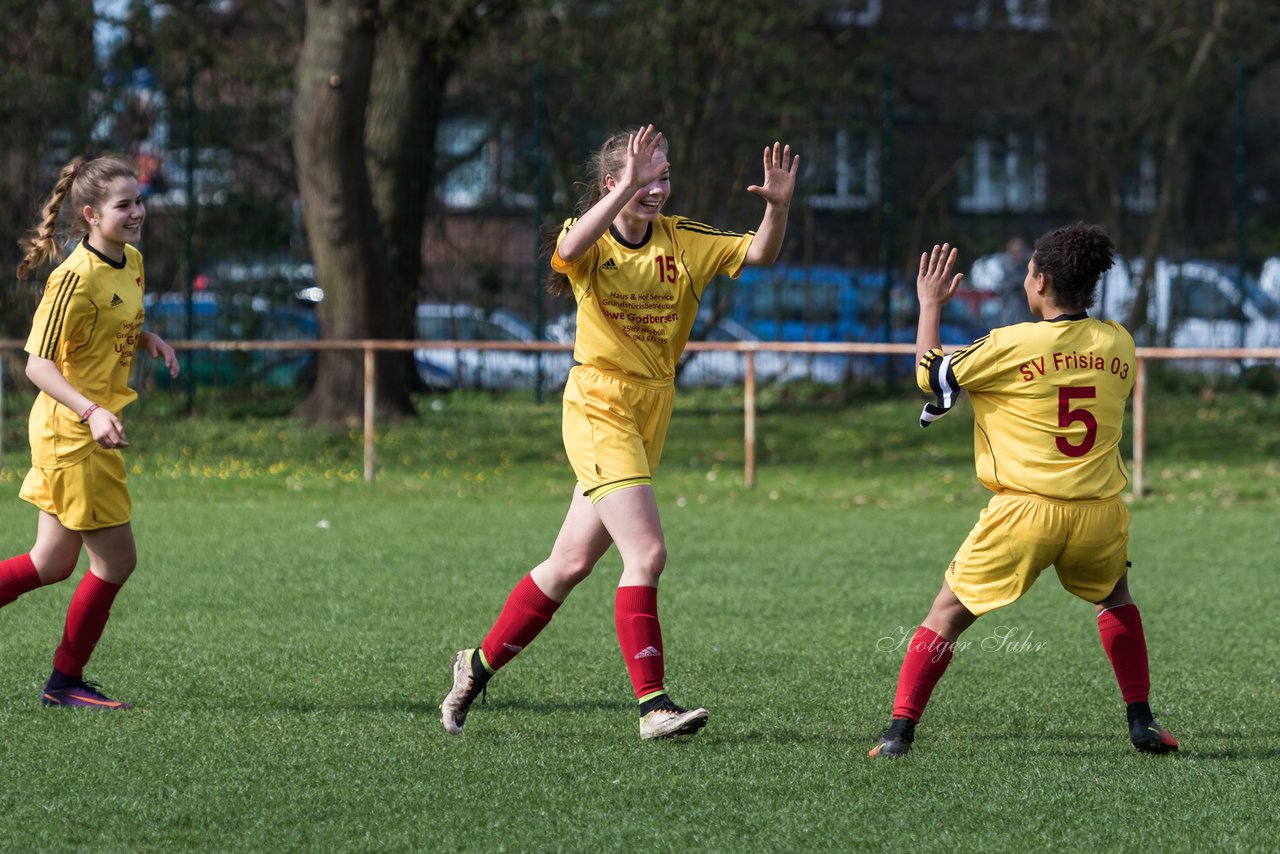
x=89, y=495
x=1018, y=536
x=614, y=427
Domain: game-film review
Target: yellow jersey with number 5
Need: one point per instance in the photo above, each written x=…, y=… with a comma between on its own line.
x=1048, y=404
x=637, y=302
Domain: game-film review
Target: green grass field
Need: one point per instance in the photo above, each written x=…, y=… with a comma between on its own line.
x=287, y=635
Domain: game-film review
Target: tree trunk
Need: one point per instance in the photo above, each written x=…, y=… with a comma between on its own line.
x=332, y=92
x=418, y=49
x=1172, y=178
x=404, y=110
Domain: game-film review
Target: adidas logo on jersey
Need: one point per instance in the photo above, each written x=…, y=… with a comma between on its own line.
x=609, y=266
x=115, y=300
x=647, y=652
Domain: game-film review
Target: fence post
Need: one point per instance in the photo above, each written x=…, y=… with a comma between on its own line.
x=1139, y=428
x=749, y=418
x=370, y=401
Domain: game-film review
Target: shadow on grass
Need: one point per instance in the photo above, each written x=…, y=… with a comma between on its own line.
x=541, y=706
x=1270, y=750
x=501, y=706
x=1184, y=751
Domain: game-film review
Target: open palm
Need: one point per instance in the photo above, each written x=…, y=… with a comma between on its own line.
x=779, y=175
x=641, y=169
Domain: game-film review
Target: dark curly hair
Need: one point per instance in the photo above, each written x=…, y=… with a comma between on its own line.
x=1073, y=259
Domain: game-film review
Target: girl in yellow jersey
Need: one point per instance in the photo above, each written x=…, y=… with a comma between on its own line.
x=1048, y=407
x=637, y=276
x=80, y=353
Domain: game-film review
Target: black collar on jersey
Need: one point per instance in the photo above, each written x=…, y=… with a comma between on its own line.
x=648, y=232
x=1080, y=315
x=119, y=265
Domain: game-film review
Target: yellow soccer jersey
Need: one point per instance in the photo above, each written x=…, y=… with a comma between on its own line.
x=636, y=303
x=1048, y=404
x=87, y=323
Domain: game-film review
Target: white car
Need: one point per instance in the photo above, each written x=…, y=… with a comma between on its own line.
x=1207, y=306
x=1197, y=304
x=487, y=369
x=716, y=368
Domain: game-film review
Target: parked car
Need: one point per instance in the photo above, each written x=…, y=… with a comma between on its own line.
x=1269, y=278
x=1196, y=303
x=232, y=318
x=272, y=275
x=719, y=368
x=823, y=303
x=489, y=369
x=1209, y=305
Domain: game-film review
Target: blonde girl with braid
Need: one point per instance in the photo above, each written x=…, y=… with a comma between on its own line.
x=79, y=355
x=637, y=275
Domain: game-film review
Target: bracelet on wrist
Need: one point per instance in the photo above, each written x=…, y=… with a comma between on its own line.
x=85, y=417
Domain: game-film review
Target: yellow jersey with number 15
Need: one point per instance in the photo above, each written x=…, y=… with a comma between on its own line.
x=637, y=302
x=87, y=323
x=1048, y=404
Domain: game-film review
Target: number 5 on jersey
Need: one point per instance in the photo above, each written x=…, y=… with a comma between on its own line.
x=1068, y=416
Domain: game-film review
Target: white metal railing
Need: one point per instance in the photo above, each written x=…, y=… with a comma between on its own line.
x=371, y=346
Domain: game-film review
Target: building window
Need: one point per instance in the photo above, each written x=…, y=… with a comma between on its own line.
x=483, y=165
x=1015, y=14
x=859, y=14
x=1139, y=184
x=465, y=158
x=1003, y=174
x=846, y=172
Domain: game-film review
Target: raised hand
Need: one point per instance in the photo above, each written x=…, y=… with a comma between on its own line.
x=935, y=285
x=779, y=175
x=640, y=169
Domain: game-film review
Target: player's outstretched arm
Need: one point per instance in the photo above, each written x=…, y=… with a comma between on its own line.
x=639, y=171
x=779, y=185
x=934, y=288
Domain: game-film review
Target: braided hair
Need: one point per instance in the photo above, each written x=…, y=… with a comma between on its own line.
x=87, y=182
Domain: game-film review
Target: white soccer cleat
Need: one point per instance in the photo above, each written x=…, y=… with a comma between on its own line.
x=453, y=711
x=669, y=720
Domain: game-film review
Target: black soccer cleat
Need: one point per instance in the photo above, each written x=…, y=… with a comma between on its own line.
x=1152, y=738
x=896, y=740
x=1147, y=735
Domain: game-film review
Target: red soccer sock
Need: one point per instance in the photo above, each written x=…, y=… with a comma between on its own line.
x=640, y=636
x=86, y=618
x=1120, y=629
x=17, y=576
x=928, y=655
x=526, y=613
